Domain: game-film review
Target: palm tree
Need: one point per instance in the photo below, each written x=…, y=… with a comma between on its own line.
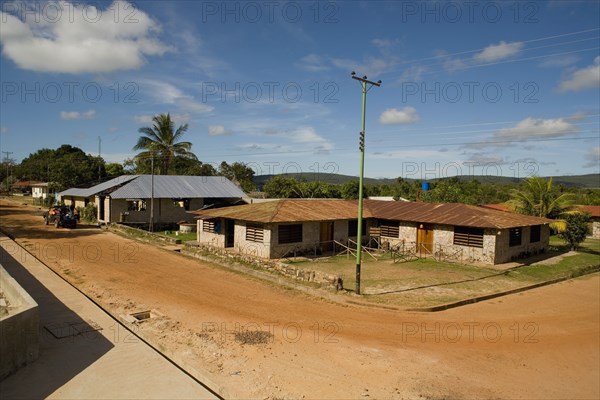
x=161, y=141
x=539, y=198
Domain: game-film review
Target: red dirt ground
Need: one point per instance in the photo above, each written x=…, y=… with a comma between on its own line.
x=542, y=344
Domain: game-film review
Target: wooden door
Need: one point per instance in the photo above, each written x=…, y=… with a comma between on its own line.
x=326, y=236
x=425, y=238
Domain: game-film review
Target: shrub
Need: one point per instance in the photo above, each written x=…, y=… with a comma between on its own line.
x=576, y=230
x=88, y=213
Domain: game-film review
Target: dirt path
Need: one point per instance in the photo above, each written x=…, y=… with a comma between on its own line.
x=539, y=344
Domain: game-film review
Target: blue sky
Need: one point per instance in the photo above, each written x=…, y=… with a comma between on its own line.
x=500, y=88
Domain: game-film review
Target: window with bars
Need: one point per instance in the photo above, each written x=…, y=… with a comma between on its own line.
x=389, y=228
x=290, y=233
x=472, y=237
x=515, y=236
x=208, y=225
x=535, y=234
x=255, y=232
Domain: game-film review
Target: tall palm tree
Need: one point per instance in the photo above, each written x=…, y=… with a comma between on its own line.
x=161, y=141
x=538, y=197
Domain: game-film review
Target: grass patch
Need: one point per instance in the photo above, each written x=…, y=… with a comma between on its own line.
x=184, y=237
x=426, y=282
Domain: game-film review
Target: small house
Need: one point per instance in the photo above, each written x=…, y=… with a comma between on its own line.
x=279, y=228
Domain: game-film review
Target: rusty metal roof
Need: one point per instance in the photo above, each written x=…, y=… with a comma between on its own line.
x=297, y=210
x=593, y=210
x=457, y=214
x=292, y=210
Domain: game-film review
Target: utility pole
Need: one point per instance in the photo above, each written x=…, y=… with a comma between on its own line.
x=99, y=157
x=366, y=86
x=7, y=161
x=152, y=194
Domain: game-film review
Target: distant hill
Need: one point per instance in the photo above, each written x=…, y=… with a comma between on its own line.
x=586, y=181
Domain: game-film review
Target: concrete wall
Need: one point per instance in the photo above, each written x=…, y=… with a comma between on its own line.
x=19, y=330
x=495, y=246
x=212, y=239
x=165, y=211
x=505, y=253
x=596, y=229
x=270, y=247
x=78, y=201
x=39, y=192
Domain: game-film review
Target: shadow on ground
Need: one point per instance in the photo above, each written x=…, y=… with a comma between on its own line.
x=61, y=359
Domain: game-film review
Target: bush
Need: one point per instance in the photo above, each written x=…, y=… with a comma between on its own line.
x=88, y=213
x=577, y=229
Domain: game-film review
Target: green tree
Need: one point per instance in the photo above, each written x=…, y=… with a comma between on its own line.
x=114, y=169
x=239, y=173
x=161, y=141
x=64, y=167
x=576, y=230
x=349, y=190
x=538, y=197
x=282, y=187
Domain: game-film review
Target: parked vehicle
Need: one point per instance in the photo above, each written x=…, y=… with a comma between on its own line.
x=61, y=216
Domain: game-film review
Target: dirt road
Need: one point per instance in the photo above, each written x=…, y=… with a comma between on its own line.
x=253, y=339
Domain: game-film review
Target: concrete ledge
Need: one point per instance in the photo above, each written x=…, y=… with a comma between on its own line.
x=19, y=330
x=142, y=234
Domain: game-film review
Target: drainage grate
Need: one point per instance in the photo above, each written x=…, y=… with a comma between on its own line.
x=142, y=316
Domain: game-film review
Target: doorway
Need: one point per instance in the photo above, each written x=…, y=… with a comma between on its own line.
x=229, y=232
x=326, y=236
x=425, y=239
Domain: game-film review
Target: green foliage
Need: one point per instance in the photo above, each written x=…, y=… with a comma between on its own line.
x=161, y=143
x=350, y=189
x=577, y=229
x=114, y=169
x=64, y=167
x=538, y=197
x=239, y=173
x=88, y=213
x=282, y=187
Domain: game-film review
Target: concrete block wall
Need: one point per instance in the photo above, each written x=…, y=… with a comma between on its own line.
x=256, y=249
x=212, y=239
x=505, y=253
x=19, y=330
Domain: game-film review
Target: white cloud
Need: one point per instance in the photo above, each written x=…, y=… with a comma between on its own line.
x=500, y=51
x=539, y=128
x=69, y=115
x=393, y=116
x=593, y=159
x=3, y=130
x=82, y=39
x=312, y=63
x=581, y=79
x=217, y=130
x=166, y=93
x=559, y=61
x=143, y=119
x=308, y=136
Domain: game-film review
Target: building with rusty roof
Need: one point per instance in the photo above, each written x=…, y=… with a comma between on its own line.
x=278, y=228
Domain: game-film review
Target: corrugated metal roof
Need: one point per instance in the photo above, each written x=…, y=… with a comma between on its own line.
x=457, y=214
x=101, y=187
x=327, y=210
x=176, y=186
x=293, y=210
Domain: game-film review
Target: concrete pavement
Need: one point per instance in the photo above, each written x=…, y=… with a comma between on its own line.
x=94, y=356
